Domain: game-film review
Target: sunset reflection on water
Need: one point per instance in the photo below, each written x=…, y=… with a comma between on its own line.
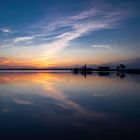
x=42, y=105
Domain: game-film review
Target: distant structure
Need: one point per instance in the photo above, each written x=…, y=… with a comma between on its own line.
x=121, y=67
x=84, y=70
x=103, y=68
x=75, y=70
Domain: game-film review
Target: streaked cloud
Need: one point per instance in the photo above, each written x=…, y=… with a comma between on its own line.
x=102, y=46
x=23, y=39
x=21, y=101
x=94, y=19
x=48, y=37
x=5, y=30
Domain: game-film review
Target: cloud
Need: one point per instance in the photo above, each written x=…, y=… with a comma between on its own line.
x=23, y=39
x=63, y=40
x=100, y=11
x=21, y=101
x=102, y=46
x=8, y=62
x=99, y=17
x=55, y=39
x=5, y=30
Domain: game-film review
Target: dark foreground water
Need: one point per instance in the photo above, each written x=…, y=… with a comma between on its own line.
x=63, y=106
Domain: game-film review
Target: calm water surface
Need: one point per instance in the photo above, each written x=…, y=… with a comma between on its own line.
x=53, y=106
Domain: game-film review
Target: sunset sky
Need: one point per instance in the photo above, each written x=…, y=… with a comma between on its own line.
x=65, y=33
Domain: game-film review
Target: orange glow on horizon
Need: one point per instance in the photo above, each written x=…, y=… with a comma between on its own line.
x=35, y=63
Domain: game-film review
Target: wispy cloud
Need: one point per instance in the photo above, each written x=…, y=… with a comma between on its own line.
x=23, y=39
x=102, y=46
x=5, y=30
x=99, y=17
x=21, y=101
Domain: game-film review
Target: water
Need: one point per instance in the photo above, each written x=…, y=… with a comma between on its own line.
x=44, y=105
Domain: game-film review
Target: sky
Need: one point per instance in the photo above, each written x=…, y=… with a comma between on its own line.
x=68, y=33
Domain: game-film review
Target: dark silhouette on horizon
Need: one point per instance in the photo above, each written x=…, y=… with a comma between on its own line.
x=86, y=70
x=121, y=67
x=105, y=70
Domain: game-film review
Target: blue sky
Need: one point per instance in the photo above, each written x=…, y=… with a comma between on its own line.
x=52, y=33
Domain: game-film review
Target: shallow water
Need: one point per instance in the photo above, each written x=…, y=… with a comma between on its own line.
x=43, y=105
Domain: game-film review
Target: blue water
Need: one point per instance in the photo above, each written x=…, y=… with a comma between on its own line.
x=43, y=105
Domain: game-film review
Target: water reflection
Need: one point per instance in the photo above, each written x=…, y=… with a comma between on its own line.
x=63, y=105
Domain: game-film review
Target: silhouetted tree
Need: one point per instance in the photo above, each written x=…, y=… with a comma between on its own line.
x=121, y=67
